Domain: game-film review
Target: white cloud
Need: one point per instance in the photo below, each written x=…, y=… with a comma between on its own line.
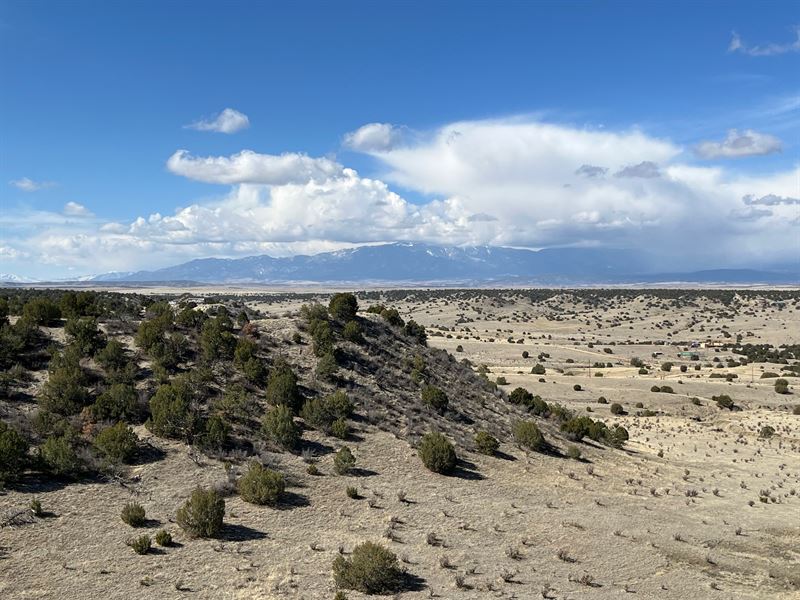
x=250, y=167
x=228, y=121
x=771, y=49
x=372, y=137
x=739, y=144
x=496, y=182
x=73, y=209
x=29, y=185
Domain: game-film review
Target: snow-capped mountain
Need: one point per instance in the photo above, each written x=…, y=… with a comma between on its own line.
x=425, y=263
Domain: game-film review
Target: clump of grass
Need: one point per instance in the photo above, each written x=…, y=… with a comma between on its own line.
x=141, y=544
x=133, y=514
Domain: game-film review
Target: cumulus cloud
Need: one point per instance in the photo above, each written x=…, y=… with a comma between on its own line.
x=372, y=137
x=771, y=49
x=739, y=144
x=228, y=121
x=29, y=185
x=646, y=169
x=769, y=200
x=591, y=171
x=73, y=209
x=497, y=182
x=251, y=167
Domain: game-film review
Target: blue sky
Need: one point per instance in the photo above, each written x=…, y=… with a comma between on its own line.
x=487, y=112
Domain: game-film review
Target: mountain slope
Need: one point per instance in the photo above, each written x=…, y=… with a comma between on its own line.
x=407, y=262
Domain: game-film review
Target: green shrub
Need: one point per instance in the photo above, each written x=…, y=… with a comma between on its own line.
x=215, y=434
x=84, y=334
x=64, y=392
x=434, y=398
x=344, y=461
x=538, y=369
x=577, y=387
x=781, y=386
x=723, y=401
x=352, y=492
x=254, y=370
x=655, y=389
x=767, y=431
x=371, y=569
x=117, y=403
x=202, y=514
x=486, y=443
x=339, y=405
x=327, y=367
x=133, y=514
x=261, y=485
x=321, y=413
x=642, y=371
x=113, y=357
x=163, y=537
x=13, y=453
x=665, y=389
x=36, y=508
x=216, y=340
x=501, y=381
x=415, y=330
x=246, y=349
x=340, y=429
x=343, y=307
x=172, y=414
x=141, y=544
x=520, y=396
x=352, y=332
x=282, y=386
x=617, y=436
x=602, y=400
x=666, y=367
x=118, y=443
x=313, y=312
x=616, y=409
x=573, y=452
x=321, y=338
x=41, y=311
x=59, y=456
x=279, y=427
x=527, y=435
x=437, y=453
x=392, y=317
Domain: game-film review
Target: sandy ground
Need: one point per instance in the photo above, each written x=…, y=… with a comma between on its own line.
x=695, y=506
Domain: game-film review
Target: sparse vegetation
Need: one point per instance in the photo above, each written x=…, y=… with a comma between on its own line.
x=371, y=569
x=437, y=453
x=202, y=514
x=261, y=485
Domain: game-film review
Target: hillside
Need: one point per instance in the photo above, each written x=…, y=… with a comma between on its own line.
x=205, y=390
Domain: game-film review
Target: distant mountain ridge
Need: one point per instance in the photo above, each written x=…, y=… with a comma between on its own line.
x=426, y=263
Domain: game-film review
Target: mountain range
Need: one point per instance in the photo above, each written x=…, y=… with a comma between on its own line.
x=418, y=263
